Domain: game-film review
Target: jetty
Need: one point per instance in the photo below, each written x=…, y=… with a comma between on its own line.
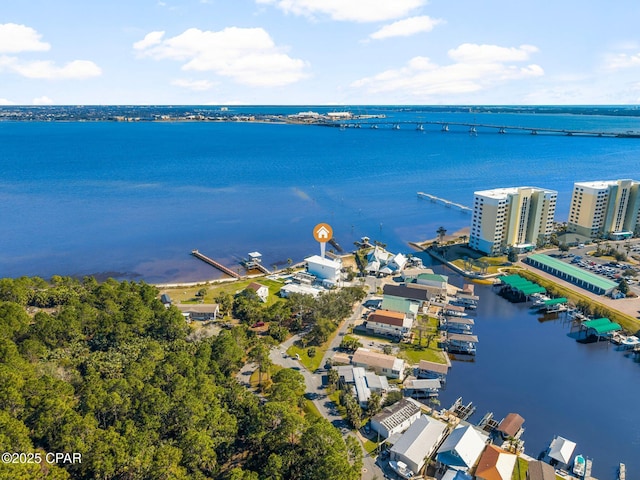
x=445, y=202
x=215, y=264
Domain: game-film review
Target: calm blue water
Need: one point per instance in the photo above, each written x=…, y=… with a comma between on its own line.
x=132, y=200
x=583, y=392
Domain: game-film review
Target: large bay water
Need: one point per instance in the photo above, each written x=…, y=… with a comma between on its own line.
x=131, y=200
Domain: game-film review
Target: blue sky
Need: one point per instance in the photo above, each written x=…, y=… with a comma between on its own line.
x=333, y=52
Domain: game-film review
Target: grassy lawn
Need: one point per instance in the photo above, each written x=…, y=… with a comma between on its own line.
x=335, y=398
x=188, y=294
x=370, y=446
x=311, y=410
x=494, y=265
x=520, y=470
x=417, y=350
x=627, y=322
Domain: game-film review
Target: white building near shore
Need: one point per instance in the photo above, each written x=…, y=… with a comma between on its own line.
x=324, y=269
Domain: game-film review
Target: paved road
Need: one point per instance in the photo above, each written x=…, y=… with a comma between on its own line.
x=318, y=394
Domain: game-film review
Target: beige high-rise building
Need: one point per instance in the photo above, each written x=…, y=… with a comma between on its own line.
x=609, y=209
x=511, y=217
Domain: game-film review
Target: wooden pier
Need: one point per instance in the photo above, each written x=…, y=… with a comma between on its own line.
x=213, y=263
x=446, y=203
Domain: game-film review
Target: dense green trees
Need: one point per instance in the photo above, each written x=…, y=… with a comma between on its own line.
x=105, y=370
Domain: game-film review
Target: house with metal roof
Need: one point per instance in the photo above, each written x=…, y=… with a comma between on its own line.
x=396, y=418
x=422, y=388
x=560, y=452
x=462, y=448
x=511, y=426
x=201, y=311
x=364, y=383
x=495, y=464
x=570, y=273
x=404, y=305
x=427, y=369
x=418, y=443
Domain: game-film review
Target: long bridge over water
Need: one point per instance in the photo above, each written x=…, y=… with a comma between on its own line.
x=471, y=127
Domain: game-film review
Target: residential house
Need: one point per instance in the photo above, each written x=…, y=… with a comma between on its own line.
x=396, y=418
x=201, y=312
x=418, y=443
x=540, y=471
x=404, y=305
x=425, y=388
x=382, y=364
x=462, y=448
x=495, y=464
x=261, y=290
x=388, y=323
x=325, y=269
x=427, y=369
x=560, y=452
x=511, y=426
x=365, y=383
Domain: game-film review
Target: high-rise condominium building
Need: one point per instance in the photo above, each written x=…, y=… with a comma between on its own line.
x=515, y=217
x=609, y=209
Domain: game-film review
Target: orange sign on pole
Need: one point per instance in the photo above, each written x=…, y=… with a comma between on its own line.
x=322, y=232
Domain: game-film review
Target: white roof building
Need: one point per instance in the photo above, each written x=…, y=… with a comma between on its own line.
x=561, y=450
x=396, y=418
x=324, y=268
x=418, y=442
x=461, y=449
x=290, y=288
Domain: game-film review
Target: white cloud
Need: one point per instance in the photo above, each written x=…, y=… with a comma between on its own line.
x=476, y=68
x=149, y=40
x=44, y=100
x=473, y=53
x=45, y=69
x=247, y=55
x=4, y=101
x=196, y=85
x=622, y=60
x=349, y=10
x=16, y=38
x=407, y=27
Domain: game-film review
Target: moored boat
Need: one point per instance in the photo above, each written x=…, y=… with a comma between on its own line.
x=578, y=465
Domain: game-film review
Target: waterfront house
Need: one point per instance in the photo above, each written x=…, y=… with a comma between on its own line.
x=261, y=290
x=425, y=388
x=418, y=443
x=325, y=269
x=388, y=323
x=302, y=289
x=396, y=418
x=560, y=452
x=364, y=383
x=200, y=312
x=165, y=299
x=427, y=369
x=462, y=448
x=404, y=305
x=495, y=464
x=511, y=426
x=540, y=471
x=382, y=364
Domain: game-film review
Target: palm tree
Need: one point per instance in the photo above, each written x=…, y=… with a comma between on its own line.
x=441, y=233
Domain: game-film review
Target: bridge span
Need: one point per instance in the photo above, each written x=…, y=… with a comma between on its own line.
x=472, y=128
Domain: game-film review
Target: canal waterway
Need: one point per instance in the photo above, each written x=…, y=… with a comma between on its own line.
x=586, y=393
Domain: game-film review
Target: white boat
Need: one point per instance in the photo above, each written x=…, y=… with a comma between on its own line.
x=578, y=465
x=401, y=469
x=622, y=472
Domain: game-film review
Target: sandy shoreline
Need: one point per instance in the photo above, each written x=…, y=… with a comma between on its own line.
x=454, y=236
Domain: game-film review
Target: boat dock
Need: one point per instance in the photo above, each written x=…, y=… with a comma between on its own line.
x=446, y=203
x=215, y=264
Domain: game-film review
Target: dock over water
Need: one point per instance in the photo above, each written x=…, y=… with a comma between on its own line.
x=446, y=203
x=215, y=264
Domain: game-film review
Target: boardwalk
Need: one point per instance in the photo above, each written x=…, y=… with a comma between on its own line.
x=213, y=263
